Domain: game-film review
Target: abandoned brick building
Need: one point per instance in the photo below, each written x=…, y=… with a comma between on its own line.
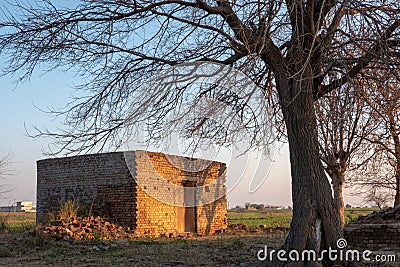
x=152, y=193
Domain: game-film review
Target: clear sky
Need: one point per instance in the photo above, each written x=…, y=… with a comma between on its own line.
x=17, y=107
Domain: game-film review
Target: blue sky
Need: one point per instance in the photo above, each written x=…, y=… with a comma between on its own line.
x=53, y=89
x=17, y=107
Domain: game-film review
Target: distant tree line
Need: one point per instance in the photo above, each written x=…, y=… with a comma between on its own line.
x=261, y=207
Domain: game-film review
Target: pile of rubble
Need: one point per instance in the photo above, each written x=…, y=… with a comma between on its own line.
x=86, y=228
x=98, y=228
x=237, y=227
x=389, y=216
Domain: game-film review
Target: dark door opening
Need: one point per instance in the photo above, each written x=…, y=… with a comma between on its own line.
x=187, y=213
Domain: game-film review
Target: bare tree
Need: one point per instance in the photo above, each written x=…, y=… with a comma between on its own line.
x=5, y=170
x=300, y=50
x=373, y=179
x=377, y=197
x=383, y=168
x=344, y=123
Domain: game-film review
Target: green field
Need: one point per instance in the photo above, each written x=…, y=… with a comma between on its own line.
x=361, y=211
x=17, y=221
x=267, y=219
x=351, y=214
x=20, y=221
x=282, y=218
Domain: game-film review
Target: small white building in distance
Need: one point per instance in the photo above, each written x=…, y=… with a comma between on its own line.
x=24, y=206
x=20, y=206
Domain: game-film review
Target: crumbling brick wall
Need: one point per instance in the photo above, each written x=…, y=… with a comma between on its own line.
x=146, y=196
x=373, y=236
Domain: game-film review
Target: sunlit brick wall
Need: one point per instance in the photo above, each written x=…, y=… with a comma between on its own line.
x=162, y=176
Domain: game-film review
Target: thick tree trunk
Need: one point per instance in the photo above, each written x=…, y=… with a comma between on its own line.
x=315, y=224
x=397, y=196
x=337, y=186
x=396, y=140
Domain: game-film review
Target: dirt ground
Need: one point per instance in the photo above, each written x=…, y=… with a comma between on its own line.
x=26, y=249
x=24, y=246
x=228, y=249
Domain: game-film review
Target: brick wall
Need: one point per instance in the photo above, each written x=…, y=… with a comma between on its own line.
x=78, y=178
x=162, y=176
x=373, y=236
x=149, y=202
x=117, y=202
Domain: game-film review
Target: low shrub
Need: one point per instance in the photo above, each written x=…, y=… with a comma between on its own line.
x=4, y=225
x=68, y=210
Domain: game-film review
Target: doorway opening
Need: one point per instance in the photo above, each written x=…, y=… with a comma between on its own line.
x=187, y=213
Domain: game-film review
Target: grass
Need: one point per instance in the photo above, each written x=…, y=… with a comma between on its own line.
x=220, y=250
x=143, y=242
x=68, y=210
x=282, y=218
x=228, y=249
x=19, y=216
x=17, y=221
x=21, y=221
x=352, y=214
x=363, y=211
x=269, y=219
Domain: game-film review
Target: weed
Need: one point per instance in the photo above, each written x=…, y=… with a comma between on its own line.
x=39, y=239
x=237, y=243
x=220, y=241
x=350, y=217
x=96, y=236
x=240, y=259
x=68, y=210
x=4, y=252
x=85, y=211
x=49, y=218
x=4, y=223
x=21, y=226
x=181, y=241
x=143, y=242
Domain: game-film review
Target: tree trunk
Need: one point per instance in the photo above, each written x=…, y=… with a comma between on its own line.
x=397, y=196
x=396, y=140
x=337, y=186
x=315, y=224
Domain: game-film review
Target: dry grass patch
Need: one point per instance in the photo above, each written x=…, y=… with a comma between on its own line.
x=218, y=250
